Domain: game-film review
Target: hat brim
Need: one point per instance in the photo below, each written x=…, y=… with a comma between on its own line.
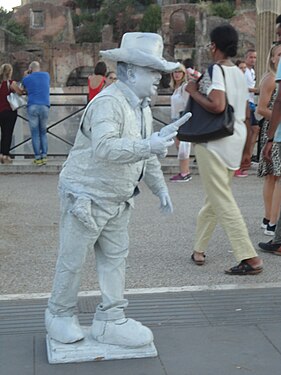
x=139, y=58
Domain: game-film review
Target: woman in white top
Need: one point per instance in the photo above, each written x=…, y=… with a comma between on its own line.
x=217, y=160
x=178, y=104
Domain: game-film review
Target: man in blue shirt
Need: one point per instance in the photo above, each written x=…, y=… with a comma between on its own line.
x=37, y=85
x=274, y=135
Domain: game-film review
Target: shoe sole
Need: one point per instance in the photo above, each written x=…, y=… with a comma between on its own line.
x=269, y=233
x=253, y=272
x=270, y=251
x=181, y=180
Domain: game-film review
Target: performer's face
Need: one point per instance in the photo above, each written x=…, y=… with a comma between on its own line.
x=145, y=81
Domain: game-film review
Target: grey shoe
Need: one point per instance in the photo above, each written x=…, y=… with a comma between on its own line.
x=65, y=329
x=122, y=332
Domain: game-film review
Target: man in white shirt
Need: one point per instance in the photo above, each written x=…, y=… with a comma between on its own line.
x=250, y=75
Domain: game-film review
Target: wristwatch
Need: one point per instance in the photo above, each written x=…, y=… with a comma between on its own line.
x=270, y=140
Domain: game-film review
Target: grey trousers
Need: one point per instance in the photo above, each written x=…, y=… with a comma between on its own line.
x=107, y=234
x=277, y=236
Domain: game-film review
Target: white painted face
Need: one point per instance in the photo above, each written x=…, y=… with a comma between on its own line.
x=144, y=81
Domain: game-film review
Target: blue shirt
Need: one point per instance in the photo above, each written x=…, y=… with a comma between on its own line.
x=277, y=135
x=37, y=85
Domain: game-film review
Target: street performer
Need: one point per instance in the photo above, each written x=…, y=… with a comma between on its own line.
x=115, y=148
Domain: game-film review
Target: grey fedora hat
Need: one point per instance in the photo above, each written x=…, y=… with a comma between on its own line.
x=142, y=49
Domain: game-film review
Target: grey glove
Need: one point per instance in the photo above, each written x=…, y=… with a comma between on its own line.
x=165, y=203
x=159, y=144
x=174, y=126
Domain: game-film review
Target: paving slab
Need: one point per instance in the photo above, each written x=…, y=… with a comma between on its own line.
x=17, y=354
x=236, y=350
x=206, y=340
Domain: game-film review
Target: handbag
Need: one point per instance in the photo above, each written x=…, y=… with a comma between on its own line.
x=205, y=126
x=16, y=101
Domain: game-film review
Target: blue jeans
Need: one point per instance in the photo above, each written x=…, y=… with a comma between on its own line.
x=38, y=117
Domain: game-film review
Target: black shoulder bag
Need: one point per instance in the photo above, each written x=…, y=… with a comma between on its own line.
x=205, y=126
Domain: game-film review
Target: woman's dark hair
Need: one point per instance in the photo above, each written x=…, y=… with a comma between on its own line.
x=278, y=19
x=225, y=38
x=188, y=63
x=100, y=68
x=238, y=62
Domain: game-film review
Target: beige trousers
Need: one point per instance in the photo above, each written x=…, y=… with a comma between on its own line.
x=220, y=207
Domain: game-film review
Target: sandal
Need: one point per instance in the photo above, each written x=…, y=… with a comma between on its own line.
x=243, y=268
x=198, y=262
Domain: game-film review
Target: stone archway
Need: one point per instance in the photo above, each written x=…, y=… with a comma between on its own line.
x=79, y=76
x=179, y=27
x=182, y=30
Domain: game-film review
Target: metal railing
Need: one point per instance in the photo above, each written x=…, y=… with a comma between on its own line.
x=64, y=118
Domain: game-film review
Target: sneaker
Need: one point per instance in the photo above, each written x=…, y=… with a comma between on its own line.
x=122, y=332
x=270, y=230
x=240, y=173
x=44, y=161
x=65, y=329
x=269, y=247
x=180, y=178
x=6, y=159
x=264, y=223
x=37, y=162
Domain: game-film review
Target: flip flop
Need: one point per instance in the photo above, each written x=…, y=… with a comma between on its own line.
x=243, y=268
x=198, y=262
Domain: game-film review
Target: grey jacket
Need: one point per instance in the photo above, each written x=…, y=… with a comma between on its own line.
x=109, y=155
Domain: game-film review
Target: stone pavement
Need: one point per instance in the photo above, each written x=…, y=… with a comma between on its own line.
x=204, y=321
x=196, y=333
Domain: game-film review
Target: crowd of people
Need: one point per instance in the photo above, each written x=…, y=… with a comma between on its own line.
x=36, y=86
x=260, y=101
x=116, y=148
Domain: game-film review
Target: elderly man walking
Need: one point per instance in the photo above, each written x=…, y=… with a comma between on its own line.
x=114, y=149
x=37, y=85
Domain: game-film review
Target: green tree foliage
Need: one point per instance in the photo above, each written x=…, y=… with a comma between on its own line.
x=4, y=16
x=146, y=2
x=112, y=8
x=18, y=34
x=89, y=4
x=223, y=10
x=116, y=13
x=89, y=30
x=151, y=21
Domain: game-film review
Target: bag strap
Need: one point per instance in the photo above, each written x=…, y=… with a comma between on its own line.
x=223, y=74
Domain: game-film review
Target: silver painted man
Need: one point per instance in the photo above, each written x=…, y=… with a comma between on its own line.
x=114, y=149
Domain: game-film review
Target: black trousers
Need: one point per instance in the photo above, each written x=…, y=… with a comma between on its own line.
x=7, y=124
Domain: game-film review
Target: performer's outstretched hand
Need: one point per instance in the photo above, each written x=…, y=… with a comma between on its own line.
x=165, y=203
x=174, y=126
